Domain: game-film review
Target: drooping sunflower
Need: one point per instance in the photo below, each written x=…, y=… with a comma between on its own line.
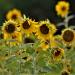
x=28, y=26
x=45, y=29
x=57, y=54
x=50, y=43
x=9, y=28
x=14, y=14
x=44, y=45
x=62, y=8
x=68, y=36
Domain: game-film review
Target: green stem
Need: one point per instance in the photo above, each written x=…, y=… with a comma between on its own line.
x=66, y=21
x=34, y=64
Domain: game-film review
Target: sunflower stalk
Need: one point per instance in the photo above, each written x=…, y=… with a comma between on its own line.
x=67, y=19
x=60, y=24
x=35, y=71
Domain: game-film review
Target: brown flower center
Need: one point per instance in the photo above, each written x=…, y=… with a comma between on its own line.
x=13, y=37
x=10, y=28
x=57, y=53
x=26, y=25
x=44, y=29
x=14, y=16
x=63, y=8
x=68, y=36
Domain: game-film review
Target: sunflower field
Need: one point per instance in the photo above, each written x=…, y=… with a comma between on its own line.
x=30, y=47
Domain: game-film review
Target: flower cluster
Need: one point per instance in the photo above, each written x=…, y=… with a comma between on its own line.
x=25, y=41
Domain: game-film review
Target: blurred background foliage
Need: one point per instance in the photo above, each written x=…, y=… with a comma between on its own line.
x=35, y=9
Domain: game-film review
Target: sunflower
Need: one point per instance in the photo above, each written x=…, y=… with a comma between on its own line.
x=50, y=43
x=28, y=26
x=17, y=36
x=62, y=8
x=53, y=42
x=68, y=36
x=67, y=65
x=44, y=30
x=57, y=54
x=9, y=28
x=15, y=39
x=44, y=45
x=14, y=14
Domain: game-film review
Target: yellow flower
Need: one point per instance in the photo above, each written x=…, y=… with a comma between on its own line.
x=17, y=36
x=9, y=28
x=57, y=54
x=28, y=26
x=53, y=43
x=62, y=8
x=44, y=30
x=14, y=14
x=44, y=45
x=50, y=43
x=15, y=39
x=68, y=36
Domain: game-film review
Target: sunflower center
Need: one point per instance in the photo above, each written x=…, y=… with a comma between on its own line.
x=10, y=28
x=63, y=8
x=68, y=36
x=14, y=16
x=13, y=37
x=26, y=25
x=44, y=29
x=57, y=53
